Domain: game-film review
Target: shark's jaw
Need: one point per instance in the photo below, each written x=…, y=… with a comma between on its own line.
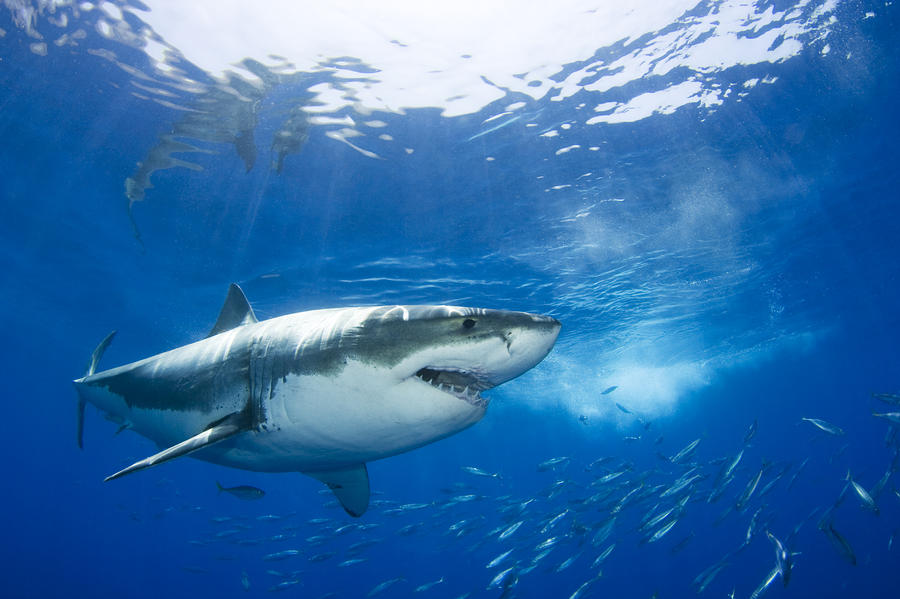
x=461, y=384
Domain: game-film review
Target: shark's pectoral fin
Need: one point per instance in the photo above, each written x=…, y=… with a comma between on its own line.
x=227, y=427
x=349, y=485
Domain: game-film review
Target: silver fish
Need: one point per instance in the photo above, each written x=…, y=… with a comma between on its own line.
x=552, y=463
x=751, y=528
x=284, y=585
x=782, y=559
x=352, y=561
x=536, y=559
x=704, y=579
x=658, y=518
x=797, y=473
x=680, y=485
x=465, y=498
x=611, y=476
x=245, y=492
x=384, y=586
x=838, y=542
x=510, y=530
x=891, y=416
x=728, y=471
x=554, y=521
x=603, y=555
x=724, y=478
x=686, y=452
x=499, y=559
x=566, y=563
x=503, y=579
x=479, y=472
x=878, y=489
x=749, y=489
x=547, y=543
x=825, y=426
x=281, y=555
x=321, y=557
x=682, y=543
x=765, y=584
x=889, y=398
x=751, y=431
x=429, y=585
x=775, y=479
x=663, y=531
x=621, y=504
x=863, y=495
x=603, y=532
x=580, y=590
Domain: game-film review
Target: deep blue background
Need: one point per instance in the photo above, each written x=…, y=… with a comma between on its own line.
x=796, y=183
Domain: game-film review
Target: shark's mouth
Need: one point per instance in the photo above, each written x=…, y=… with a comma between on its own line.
x=458, y=383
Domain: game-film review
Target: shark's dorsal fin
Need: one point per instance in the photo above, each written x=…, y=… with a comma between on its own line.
x=236, y=311
x=349, y=485
x=227, y=427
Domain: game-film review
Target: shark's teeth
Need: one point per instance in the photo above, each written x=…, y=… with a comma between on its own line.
x=468, y=393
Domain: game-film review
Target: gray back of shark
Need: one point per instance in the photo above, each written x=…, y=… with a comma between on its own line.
x=319, y=392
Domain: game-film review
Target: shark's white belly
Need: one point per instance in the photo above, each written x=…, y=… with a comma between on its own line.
x=321, y=423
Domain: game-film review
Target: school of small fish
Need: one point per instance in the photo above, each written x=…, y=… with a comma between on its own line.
x=584, y=512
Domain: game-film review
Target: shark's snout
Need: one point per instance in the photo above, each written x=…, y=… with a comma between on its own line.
x=527, y=343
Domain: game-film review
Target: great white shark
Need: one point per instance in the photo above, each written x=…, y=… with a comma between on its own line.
x=321, y=392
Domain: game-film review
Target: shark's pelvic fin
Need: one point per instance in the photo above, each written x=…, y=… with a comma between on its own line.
x=235, y=312
x=91, y=369
x=349, y=485
x=227, y=427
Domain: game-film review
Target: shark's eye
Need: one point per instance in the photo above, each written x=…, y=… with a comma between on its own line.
x=468, y=323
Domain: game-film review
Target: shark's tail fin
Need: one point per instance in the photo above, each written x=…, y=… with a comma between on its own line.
x=219, y=486
x=91, y=369
x=98, y=353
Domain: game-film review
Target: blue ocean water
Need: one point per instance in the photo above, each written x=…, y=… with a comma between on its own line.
x=707, y=204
